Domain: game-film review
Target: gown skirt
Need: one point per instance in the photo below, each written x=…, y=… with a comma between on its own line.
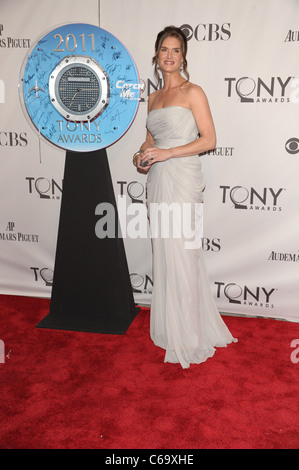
x=184, y=319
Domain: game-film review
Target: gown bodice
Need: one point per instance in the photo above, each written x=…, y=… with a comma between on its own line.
x=172, y=126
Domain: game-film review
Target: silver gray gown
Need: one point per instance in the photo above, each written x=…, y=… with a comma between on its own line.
x=184, y=318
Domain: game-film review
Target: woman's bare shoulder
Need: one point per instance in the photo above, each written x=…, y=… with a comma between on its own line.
x=195, y=95
x=195, y=91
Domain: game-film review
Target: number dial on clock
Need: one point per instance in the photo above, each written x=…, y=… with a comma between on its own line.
x=79, y=88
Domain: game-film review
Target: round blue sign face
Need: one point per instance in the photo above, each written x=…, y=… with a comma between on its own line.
x=79, y=87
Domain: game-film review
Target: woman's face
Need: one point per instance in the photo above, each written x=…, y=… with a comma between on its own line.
x=171, y=55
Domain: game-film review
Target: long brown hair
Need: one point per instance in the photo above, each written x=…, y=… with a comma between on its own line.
x=180, y=35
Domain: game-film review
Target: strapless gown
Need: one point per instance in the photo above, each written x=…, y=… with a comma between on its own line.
x=184, y=319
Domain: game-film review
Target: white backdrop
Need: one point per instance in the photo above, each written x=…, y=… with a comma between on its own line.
x=245, y=57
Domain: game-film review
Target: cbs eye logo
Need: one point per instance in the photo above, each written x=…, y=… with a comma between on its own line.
x=207, y=31
x=292, y=145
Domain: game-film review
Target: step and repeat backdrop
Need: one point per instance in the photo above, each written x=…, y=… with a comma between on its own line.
x=245, y=57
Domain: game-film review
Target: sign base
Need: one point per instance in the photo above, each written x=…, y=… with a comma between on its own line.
x=91, y=286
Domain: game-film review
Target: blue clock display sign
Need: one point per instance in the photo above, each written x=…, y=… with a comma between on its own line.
x=79, y=87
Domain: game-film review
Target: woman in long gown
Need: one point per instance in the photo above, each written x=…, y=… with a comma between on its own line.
x=184, y=318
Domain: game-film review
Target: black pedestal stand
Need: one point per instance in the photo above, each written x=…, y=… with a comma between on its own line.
x=91, y=286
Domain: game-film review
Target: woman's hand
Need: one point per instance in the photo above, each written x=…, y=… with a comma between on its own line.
x=140, y=168
x=152, y=155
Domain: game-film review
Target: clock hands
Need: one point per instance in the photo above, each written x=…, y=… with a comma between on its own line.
x=73, y=98
x=78, y=91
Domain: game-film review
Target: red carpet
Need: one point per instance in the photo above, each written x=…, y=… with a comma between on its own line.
x=73, y=390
